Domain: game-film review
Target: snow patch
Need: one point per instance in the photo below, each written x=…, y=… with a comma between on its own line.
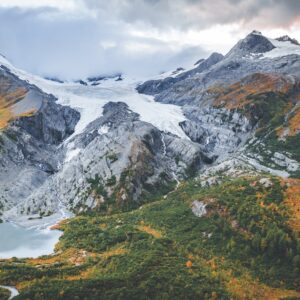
x=282, y=49
x=103, y=129
x=71, y=154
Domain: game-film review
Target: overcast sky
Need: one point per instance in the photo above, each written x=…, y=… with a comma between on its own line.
x=73, y=39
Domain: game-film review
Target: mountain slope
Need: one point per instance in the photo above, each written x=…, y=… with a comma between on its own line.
x=121, y=160
x=224, y=115
x=93, y=157
x=249, y=56
x=240, y=245
x=196, y=200
x=250, y=94
x=28, y=139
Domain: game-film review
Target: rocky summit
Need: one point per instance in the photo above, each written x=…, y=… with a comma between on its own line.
x=187, y=184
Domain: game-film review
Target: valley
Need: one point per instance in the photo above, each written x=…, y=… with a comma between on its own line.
x=184, y=186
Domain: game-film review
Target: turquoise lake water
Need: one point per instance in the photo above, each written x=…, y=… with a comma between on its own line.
x=22, y=242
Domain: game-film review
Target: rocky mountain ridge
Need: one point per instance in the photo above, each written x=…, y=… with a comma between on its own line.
x=29, y=153
x=238, y=96
x=241, y=107
x=245, y=58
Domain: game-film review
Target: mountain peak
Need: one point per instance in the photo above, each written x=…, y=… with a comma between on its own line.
x=254, y=42
x=286, y=38
x=256, y=32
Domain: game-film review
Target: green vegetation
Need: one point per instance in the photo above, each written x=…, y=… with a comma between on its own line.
x=116, y=193
x=272, y=144
x=163, y=251
x=97, y=185
x=270, y=110
x=4, y=294
x=112, y=157
x=111, y=181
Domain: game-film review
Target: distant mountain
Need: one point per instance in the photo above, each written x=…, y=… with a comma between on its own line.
x=229, y=100
x=255, y=53
x=286, y=38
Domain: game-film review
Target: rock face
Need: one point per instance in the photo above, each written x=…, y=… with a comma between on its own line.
x=157, y=86
x=243, y=59
x=52, y=124
x=254, y=43
x=198, y=208
x=218, y=131
x=120, y=159
x=242, y=113
x=28, y=143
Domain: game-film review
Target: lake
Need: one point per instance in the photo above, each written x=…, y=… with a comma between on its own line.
x=16, y=241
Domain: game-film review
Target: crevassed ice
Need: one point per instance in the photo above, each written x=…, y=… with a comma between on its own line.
x=89, y=100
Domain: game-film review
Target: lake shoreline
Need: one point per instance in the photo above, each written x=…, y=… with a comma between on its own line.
x=31, y=241
x=36, y=221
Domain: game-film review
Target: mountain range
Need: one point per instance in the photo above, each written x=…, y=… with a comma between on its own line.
x=188, y=183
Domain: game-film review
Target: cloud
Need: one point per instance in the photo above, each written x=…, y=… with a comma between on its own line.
x=200, y=13
x=46, y=42
x=79, y=38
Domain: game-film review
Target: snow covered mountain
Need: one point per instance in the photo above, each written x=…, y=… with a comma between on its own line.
x=224, y=103
x=68, y=146
x=122, y=146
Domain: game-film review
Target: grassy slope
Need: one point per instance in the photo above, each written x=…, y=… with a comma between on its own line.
x=243, y=248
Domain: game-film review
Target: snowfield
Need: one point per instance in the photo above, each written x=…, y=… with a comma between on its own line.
x=89, y=100
x=282, y=49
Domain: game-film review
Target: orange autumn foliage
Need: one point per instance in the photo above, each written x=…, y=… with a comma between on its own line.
x=157, y=234
x=236, y=95
x=292, y=199
x=7, y=101
x=294, y=124
x=247, y=289
x=113, y=252
x=189, y=264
